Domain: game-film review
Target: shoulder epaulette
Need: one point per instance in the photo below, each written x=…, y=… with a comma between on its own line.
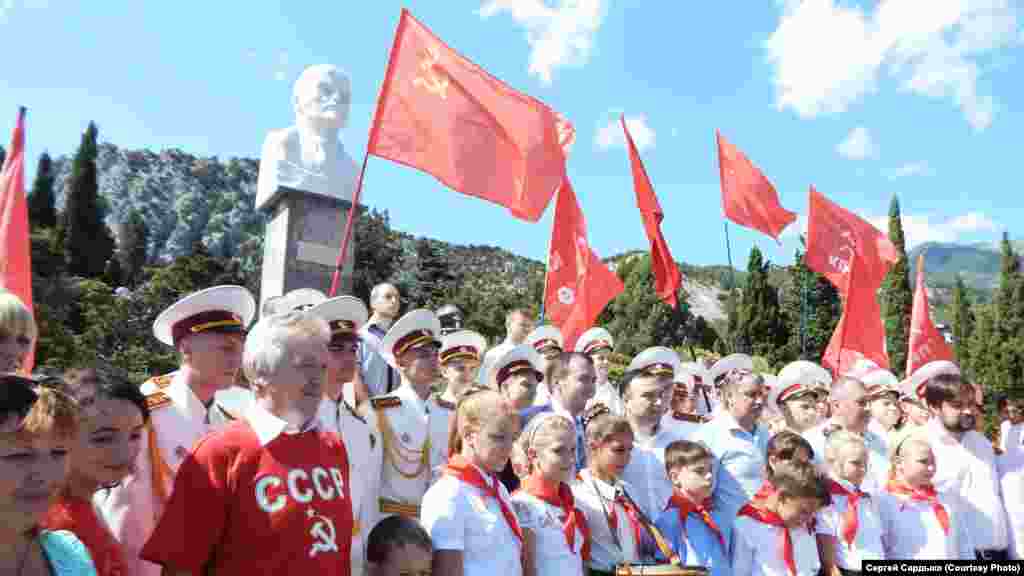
x=157, y=400
x=686, y=417
x=162, y=381
x=381, y=402
x=352, y=411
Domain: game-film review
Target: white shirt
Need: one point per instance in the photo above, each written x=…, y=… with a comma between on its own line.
x=755, y=549
x=682, y=427
x=1011, y=478
x=646, y=469
x=878, y=456
x=1011, y=437
x=409, y=426
x=967, y=468
x=607, y=393
x=553, y=557
x=867, y=545
x=365, y=457
x=596, y=499
x=490, y=359
x=911, y=531
x=131, y=508
x=461, y=517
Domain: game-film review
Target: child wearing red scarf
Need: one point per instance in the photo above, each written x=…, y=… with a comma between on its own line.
x=773, y=536
x=785, y=447
x=849, y=530
x=468, y=512
x=555, y=530
x=919, y=523
x=689, y=522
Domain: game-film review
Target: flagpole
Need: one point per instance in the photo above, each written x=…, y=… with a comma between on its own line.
x=547, y=261
x=803, y=312
x=348, y=228
x=732, y=274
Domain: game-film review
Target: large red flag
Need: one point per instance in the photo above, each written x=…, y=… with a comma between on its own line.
x=15, y=254
x=748, y=198
x=925, y=343
x=667, y=277
x=578, y=284
x=442, y=114
x=854, y=256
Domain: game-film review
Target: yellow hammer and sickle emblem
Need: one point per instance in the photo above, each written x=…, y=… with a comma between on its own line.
x=430, y=78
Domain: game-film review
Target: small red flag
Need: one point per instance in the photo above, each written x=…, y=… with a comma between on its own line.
x=854, y=256
x=578, y=284
x=925, y=344
x=748, y=198
x=15, y=253
x=442, y=114
x=667, y=278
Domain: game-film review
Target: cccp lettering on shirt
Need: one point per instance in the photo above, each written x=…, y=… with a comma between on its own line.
x=301, y=486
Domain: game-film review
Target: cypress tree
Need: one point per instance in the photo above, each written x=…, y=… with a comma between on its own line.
x=963, y=323
x=814, y=298
x=42, y=212
x=898, y=299
x=132, y=252
x=638, y=316
x=88, y=243
x=1005, y=350
x=759, y=318
x=983, y=365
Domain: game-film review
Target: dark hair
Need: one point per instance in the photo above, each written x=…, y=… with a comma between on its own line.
x=944, y=388
x=784, y=446
x=17, y=396
x=565, y=359
x=800, y=480
x=685, y=453
x=109, y=381
x=395, y=532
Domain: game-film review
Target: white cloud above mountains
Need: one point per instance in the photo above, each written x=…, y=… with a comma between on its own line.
x=919, y=228
x=827, y=54
x=857, y=145
x=611, y=135
x=561, y=36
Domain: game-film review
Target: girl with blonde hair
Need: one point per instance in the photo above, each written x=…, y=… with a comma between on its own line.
x=17, y=333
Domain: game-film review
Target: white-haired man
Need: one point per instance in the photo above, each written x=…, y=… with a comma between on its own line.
x=270, y=493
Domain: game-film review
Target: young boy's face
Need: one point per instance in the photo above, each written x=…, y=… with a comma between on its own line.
x=407, y=560
x=797, y=512
x=851, y=463
x=693, y=480
x=917, y=463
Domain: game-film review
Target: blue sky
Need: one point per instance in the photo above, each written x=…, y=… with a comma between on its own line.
x=863, y=100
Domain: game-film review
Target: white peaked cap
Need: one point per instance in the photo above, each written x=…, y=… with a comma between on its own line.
x=922, y=375
x=545, y=336
x=730, y=362
x=657, y=360
x=594, y=339
x=462, y=344
x=227, y=308
x=344, y=314
x=417, y=328
x=520, y=358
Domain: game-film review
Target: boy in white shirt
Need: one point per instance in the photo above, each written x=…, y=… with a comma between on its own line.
x=849, y=530
x=773, y=536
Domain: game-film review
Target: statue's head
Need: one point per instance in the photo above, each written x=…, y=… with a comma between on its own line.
x=321, y=96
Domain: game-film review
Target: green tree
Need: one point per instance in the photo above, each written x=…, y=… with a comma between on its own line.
x=434, y=283
x=984, y=368
x=963, y=322
x=41, y=210
x=3, y=155
x=811, y=308
x=637, y=317
x=377, y=252
x=1008, y=330
x=897, y=299
x=760, y=325
x=133, y=240
x=88, y=243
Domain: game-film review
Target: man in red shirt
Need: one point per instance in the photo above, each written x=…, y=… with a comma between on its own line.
x=268, y=494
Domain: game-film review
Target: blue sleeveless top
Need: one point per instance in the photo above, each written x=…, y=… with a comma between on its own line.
x=66, y=554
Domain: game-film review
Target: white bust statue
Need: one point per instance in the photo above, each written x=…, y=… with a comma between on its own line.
x=308, y=156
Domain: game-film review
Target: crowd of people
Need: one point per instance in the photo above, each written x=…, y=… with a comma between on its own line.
x=362, y=442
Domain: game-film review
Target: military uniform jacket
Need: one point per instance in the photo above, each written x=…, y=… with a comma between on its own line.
x=415, y=443
x=177, y=420
x=363, y=444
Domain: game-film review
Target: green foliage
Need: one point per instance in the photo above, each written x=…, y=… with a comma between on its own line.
x=897, y=297
x=3, y=156
x=637, y=317
x=376, y=252
x=88, y=243
x=812, y=308
x=133, y=240
x=982, y=366
x=963, y=323
x=42, y=212
x=760, y=328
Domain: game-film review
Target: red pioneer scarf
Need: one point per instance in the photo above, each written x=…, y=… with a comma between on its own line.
x=850, y=519
x=925, y=494
x=462, y=469
x=685, y=506
x=773, y=519
x=561, y=497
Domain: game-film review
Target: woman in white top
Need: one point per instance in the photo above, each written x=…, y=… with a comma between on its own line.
x=615, y=530
x=554, y=529
x=468, y=513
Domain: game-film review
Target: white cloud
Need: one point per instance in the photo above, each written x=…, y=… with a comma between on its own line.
x=281, y=66
x=827, y=55
x=611, y=136
x=857, y=145
x=8, y=7
x=921, y=228
x=912, y=169
x=558, y=37
x=796, y=228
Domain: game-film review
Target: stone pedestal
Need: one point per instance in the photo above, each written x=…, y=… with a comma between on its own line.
x=300, y=247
